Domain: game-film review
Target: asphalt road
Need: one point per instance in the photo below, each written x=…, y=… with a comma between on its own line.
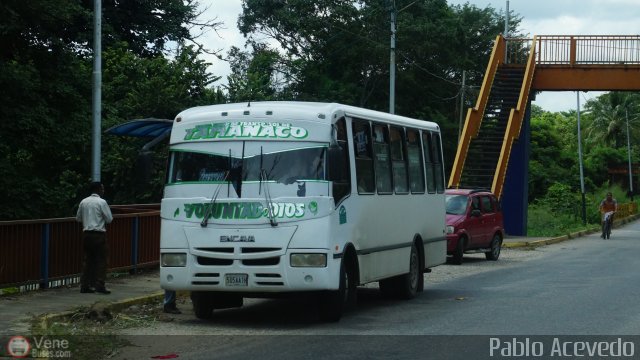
x=582, y=287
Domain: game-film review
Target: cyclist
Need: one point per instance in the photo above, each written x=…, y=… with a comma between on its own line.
x=608, y=207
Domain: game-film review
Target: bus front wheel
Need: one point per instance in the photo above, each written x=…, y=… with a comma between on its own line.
x=333, y=303
x=202, y=304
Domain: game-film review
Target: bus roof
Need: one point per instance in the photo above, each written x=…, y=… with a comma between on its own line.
x=298, y=110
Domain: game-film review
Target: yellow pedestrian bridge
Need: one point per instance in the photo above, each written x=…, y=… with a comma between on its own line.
x=493, y=151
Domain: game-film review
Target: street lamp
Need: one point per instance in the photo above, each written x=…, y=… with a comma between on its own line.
x=584, y=205
x=97, y=90
x=626, y=114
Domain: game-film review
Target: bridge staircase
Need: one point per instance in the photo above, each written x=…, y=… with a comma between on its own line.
x=484, y=149
x=492, y=126
x=492, y=134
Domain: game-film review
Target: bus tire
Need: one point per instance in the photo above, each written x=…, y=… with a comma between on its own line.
x=408, y=283
x=202, y=304
x=404, y=286
x=333, y=303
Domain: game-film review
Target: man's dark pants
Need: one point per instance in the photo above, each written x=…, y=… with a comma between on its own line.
x=94, y=265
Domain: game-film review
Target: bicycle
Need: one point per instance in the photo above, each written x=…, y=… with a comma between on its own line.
x=607, y=225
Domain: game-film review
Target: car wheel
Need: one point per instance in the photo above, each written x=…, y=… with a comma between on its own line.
x=459, y=251
x=496, y=245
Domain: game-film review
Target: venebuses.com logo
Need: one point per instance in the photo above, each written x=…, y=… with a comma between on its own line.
x=38, y=347
x=18, y=347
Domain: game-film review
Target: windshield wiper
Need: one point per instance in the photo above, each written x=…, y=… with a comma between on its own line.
x=212, y=203
x=267, y=193
x=269, y=201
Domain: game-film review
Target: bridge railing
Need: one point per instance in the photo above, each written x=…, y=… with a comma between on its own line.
x=47, y=253
x=517, y=50
x=588, y=49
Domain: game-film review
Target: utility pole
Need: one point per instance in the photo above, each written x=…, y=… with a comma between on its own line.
x=464, y=77
x=626, y=114
x=506, y=33
x=392, y=60
x=584, y=202
x=97, y=90
x=506, y=21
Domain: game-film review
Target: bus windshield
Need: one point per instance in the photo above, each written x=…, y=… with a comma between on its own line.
x=285, y=166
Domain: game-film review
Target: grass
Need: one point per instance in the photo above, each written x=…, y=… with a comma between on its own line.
x=544, y=222
x=92, y=332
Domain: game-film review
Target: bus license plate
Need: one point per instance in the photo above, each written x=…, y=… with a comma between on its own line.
x=236, y=280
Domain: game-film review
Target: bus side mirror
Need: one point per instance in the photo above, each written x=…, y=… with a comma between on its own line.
x=336, y=162
x=334, y=136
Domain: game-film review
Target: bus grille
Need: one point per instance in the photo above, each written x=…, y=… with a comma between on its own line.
x=268, y=279
x=214, y=261
x=270, y=261
x=254, y=250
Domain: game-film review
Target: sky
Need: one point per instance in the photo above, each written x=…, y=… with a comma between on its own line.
x=540, y=17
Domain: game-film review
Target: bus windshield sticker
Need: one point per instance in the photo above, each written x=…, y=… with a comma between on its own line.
x=243, y=210
x=245, y=130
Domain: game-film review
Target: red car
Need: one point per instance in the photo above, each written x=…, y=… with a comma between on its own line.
x=474, y=223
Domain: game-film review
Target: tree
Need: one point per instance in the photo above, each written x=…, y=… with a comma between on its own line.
x=45, y=110
x=552, y=158
x=338, y=50
x=140, y=87
x=607, y=118
x=255, y=76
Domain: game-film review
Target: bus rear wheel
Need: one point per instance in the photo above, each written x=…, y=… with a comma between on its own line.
x=409, y=281
x=404, y=286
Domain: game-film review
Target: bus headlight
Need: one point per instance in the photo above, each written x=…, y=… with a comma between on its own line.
x=173, y=259
x=450, y=229
x=308, y=260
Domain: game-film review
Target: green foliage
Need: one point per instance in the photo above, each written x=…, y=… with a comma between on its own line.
x=254, y=75
x=338, y=51
x=599, y=159
x=607, y=116
x=559, y=212
x=45, y=110
x=141, y=87
x=327, y=50
x=545, y=222
x=552, y=160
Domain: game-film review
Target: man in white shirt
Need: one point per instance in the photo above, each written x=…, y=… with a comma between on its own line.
x=94, y=214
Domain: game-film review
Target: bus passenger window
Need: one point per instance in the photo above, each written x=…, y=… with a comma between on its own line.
x=399, y=160
x=383, y=160
x=437, y=163
x=428, y=161
x=416, y=172
x=364, y=161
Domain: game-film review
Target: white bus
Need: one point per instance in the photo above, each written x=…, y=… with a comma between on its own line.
x=291, y=197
